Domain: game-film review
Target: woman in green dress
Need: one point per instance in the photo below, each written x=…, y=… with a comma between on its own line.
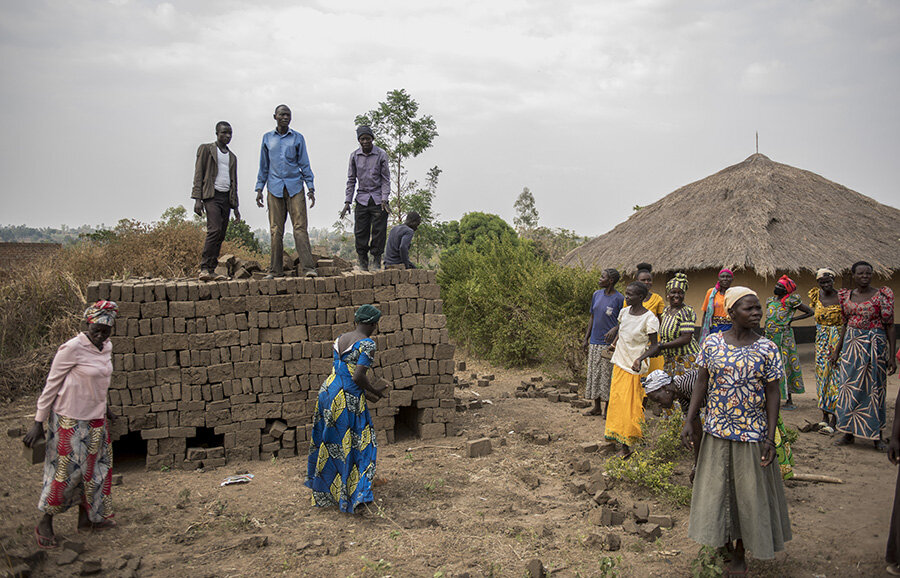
x=829, y=321
x=780, y=312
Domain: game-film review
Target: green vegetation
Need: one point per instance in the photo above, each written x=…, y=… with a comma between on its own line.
x=652, y=463
x=709, y=563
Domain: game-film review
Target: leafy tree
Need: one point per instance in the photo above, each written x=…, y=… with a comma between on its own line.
x=403, y=135
x=239, y=232
x=428, y=236
x=173, y=215
x=476, y=225
x=526, y=213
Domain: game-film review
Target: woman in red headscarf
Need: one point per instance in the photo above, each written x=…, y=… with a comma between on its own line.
x=780, y=312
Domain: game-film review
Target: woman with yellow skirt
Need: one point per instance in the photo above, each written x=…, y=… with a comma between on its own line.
x=637, y=332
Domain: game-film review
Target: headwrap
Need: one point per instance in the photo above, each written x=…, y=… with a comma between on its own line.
x=723, y=270
x=657, y=379
x=679, y=281
x=363, y=129
x=823, y=272
x=368, y=314
x=734, y=294
x=788, y=285
x=102, y=312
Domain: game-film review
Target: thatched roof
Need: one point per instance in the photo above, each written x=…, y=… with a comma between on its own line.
x=758, y=215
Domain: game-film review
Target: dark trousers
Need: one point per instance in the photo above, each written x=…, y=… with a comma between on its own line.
x=370, y=229
x=218, y=210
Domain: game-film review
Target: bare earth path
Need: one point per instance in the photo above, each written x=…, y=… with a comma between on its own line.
x=439, y=513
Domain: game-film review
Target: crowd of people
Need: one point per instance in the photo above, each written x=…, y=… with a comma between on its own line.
x=731, y=384
x=284, y=173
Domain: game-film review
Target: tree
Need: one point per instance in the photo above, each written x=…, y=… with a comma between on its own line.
x=239, y=232
x=428, y=236
x=403, y=135
x=476, y=225
x=173, y=215
x=526, y=213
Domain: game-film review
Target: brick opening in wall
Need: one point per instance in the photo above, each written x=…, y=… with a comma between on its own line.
x=130, y=449
x=406, y=423
x=206, y=438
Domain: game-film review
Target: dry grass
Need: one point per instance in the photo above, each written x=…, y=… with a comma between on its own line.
x=41, y=304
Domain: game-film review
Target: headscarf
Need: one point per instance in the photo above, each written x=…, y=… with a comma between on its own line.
x=734, y=294
x=788, y=285
x=657, y=379
x=102, y=312
x=679, y=281
x=367, y=314
x=825, y=271
x=723, y=270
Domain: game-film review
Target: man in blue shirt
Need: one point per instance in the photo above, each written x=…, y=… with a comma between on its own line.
x=605, y=306
x=370, y=175
x=283, y=168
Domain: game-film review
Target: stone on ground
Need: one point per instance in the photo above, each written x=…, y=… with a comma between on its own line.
x=478, y=448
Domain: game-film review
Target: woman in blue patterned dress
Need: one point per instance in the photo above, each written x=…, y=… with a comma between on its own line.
x=738, y=500
x=342, y=450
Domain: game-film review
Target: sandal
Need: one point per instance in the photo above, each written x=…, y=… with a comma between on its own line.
x=826, y=430
x=893, y=570
x=44, y=542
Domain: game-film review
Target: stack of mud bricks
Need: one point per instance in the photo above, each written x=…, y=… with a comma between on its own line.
x=241, y=362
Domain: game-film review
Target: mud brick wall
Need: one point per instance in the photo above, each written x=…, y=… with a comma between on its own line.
x=238, y=364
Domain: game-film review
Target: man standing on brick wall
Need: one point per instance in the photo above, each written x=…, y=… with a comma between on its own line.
x=215, y=191
x=283, y=168
x=370, y=175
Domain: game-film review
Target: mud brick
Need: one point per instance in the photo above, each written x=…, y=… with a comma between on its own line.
x=155, y=434
x=293, y=409
x=168, y=375
x=163, y=406
x=192, y=418
x=445, y=367
x=320, y=333
x=200, y=341
x=389, y=323
x=401, y=398
x=661, y=521
x=404, y=382
x=277, y=429
x=641, y=511
x=233, y=304
x=271, y=368
x=422, y=392
x=141, y=379
x=430, y=291
x=220, y=372
x=407, y=291
x=147, y=344
x=268, y=410
x=218, y=417
x=122, y=344
x=611, y=517
x=243, y=398
x=304, y=301
x=193, y=376
x=478, y=448
x=270, y=335
x=175, y=446
x=248, y=437
x=432, y=430
x=362, y=296
x=294, y=334
x=206, y=308
x=412, y=321
x=227, y=337
x=157, y=462
x=173, y=341
x=182, y=309
x=443, y=391
x=433, y=321
x=243, y=412
x=444, y=351
x=327, y=301
x=154, y=309
x=289, y=436
x=257, y=303
x=281, y=302
x=216, y=452
x=423, y=403
x=182, y=432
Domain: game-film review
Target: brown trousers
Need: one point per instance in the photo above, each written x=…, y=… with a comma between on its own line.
x=279, y=209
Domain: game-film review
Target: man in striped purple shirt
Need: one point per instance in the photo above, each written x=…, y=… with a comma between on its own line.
x=370, y=176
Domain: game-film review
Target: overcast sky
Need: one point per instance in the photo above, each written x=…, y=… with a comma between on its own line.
x=595, y=106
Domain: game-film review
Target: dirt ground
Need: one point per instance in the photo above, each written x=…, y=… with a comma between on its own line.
x=441, y=514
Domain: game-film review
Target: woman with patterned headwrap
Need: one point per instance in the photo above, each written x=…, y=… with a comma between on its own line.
x=827, y=307
x=78, y=455
x=342, y=448
x=676, y=329
x=780, y=312
x=715, y=316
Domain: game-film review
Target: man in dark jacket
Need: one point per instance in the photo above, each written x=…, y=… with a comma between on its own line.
x=397, y=252
x=215, y=192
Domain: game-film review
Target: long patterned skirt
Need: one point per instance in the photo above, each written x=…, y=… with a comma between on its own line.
x=77, y=467
x=783, y=452
x=792, y=382
x=679, y=364
x=599, y=373
x=863, y=376
x=827, y=374
x=342, y=450
x=625, y=413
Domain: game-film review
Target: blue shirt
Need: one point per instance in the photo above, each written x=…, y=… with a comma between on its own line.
x=605, y=309
x=284, y=164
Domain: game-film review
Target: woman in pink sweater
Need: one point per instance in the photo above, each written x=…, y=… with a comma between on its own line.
x=78, y=460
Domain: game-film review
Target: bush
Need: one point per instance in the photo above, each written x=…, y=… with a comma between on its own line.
x=507, y=304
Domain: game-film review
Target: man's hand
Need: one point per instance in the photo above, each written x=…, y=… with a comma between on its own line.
x=198, y=208
x=312, y=198
x=386, y=207
x=345, y=210
x=259, y=199
x=237, y=214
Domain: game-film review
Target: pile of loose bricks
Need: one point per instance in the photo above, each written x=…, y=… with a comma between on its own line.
x=243, y=360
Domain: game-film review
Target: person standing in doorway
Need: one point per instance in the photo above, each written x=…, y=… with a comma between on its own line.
x=283, y=169
x=215, y=193
x=370, y=175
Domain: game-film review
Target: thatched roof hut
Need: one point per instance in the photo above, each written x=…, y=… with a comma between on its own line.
x=757, y=215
